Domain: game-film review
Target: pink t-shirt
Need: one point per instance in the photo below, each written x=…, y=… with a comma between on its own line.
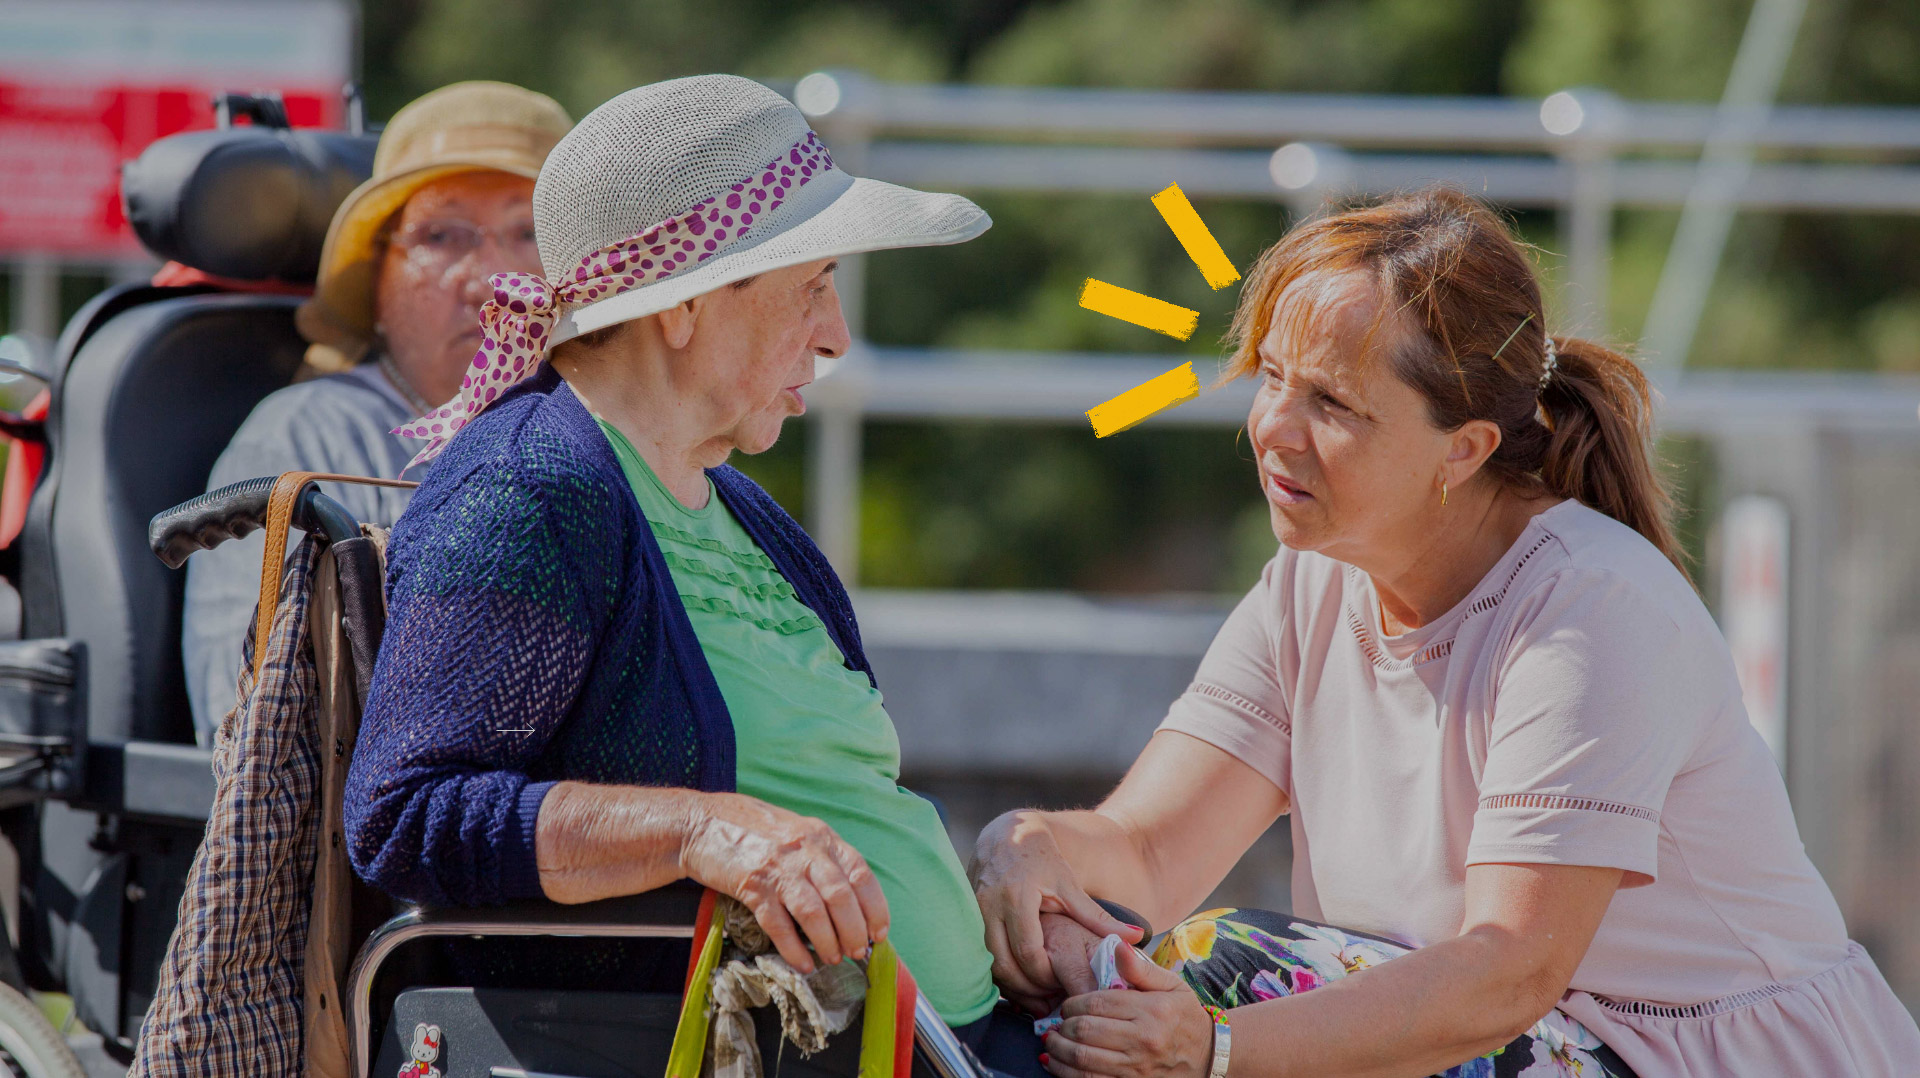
x=1579, y=707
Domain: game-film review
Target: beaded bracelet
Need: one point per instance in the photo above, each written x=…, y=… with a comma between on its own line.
x=1222, y=1041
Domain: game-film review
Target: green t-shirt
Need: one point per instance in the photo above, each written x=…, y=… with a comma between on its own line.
x=812, y=736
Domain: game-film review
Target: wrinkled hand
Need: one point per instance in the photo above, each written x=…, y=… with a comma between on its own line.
x=1019, y=875
x=1157, y=1031
x=793, y=872
x=1070, y=948
x=1069, y=958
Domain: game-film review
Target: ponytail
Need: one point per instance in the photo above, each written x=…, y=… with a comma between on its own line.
x=1599, y=414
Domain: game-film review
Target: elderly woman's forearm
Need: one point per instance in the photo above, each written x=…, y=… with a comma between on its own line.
x=803, y=883
x=600, y=841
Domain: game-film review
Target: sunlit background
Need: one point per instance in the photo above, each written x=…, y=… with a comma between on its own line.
x=1033, y=596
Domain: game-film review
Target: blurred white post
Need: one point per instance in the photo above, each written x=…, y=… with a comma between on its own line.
x=1725, y=163
x=839, y=103
x=36, y=296
x=1589, y=231
x=833, y=488
x=1587, y=121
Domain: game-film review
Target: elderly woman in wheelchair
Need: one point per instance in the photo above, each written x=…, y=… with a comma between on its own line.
x=611, y=661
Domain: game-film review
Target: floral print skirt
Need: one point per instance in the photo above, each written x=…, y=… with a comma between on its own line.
x=1234, y=957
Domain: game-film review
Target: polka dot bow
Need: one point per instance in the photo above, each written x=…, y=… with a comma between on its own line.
x=516, y=325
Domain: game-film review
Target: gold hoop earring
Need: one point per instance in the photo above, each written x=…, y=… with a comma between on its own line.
x=1443, y=492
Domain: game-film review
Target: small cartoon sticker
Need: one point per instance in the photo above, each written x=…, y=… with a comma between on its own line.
x=426, y=1049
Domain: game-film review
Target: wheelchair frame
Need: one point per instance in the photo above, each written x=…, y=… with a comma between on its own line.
x=934, y=1040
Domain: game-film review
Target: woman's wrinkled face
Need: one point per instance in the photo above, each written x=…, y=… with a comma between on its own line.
x=753, y=348
x=1349, y=460
x=449, y=238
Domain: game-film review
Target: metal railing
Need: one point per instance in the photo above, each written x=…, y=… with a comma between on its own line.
x=1585, y=153
x=1057, y=387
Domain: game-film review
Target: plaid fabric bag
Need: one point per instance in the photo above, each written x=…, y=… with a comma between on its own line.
x=231, y=989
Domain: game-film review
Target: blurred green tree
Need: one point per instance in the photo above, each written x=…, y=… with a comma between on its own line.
x=974, y=505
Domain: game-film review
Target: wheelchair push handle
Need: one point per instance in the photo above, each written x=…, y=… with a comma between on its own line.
x=237, y=510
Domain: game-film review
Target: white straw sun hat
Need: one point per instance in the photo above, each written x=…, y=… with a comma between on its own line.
x=668, y=192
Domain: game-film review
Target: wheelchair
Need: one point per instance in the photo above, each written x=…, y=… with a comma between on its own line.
x=399, y=982
x=104, y=794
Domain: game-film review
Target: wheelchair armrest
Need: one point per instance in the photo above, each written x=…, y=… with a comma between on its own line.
x=667, y=912
x=675, y=905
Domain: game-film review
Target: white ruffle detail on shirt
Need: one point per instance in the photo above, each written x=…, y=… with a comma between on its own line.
x=1844, y=1022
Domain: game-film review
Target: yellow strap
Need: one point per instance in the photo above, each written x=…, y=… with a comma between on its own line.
x=286, y=491
x=690, y=1037
x=883, y=1001
x=879, y=1025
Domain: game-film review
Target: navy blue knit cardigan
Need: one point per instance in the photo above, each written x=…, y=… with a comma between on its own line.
x=534, y=635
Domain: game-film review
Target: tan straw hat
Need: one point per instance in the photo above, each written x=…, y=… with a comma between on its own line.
x=464, y=127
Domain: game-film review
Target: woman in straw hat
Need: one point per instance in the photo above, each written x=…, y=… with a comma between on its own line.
x=611, y=661
x=402, y=276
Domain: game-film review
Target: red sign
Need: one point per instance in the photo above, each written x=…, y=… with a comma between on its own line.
x=85, y=85
x=61, y=148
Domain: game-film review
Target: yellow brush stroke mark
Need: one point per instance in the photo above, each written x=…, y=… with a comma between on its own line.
x=1192, y=233
x=1130, y=306
x=1177, y=386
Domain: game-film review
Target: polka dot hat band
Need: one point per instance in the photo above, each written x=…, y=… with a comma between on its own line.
x=516, y=325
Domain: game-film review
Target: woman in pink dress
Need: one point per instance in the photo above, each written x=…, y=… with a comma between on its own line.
x=1505, y=731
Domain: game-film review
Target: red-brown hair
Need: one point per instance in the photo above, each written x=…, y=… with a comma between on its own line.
x=1461, y=292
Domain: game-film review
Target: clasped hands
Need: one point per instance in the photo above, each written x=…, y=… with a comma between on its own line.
x=1042, y=929
x=1156, y=1030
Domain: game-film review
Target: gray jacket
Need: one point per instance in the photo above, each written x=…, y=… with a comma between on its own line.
x=338, y=423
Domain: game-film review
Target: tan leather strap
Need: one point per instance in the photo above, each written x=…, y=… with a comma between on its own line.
x=286, y=492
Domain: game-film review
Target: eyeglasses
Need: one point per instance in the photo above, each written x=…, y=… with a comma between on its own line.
x=449, y=241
